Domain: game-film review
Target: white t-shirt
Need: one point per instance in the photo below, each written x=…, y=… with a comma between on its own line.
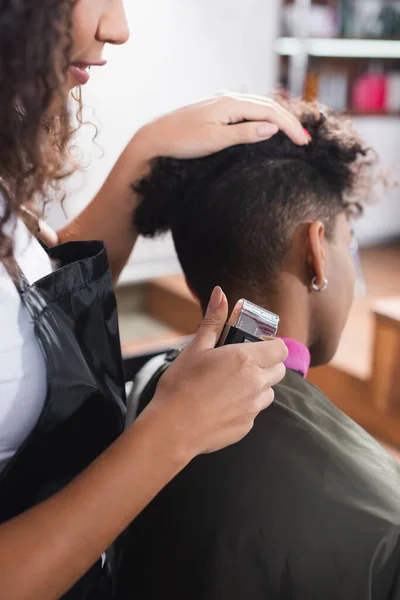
x=22, y=366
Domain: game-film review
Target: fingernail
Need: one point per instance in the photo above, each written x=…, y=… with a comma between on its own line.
x=308, y=135
x=267, y=130
x=216, y=299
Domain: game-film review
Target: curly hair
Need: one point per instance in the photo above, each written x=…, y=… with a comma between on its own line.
x=35, y=40
x=233, y=214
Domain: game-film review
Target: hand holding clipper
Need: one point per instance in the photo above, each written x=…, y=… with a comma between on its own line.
x=249, y=323
x=212, y=395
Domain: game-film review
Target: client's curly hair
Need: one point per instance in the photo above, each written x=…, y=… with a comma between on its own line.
x=233, y=214
x=35, y=39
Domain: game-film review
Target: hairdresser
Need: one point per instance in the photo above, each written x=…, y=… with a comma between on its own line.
x=70, y=480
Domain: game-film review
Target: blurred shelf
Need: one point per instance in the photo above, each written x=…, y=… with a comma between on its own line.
x=338, y=47
x=358, y=113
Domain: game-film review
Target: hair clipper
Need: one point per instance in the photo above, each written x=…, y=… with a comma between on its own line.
x=249, y=323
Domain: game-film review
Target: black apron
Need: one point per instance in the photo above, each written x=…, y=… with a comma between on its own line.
x=75, y=318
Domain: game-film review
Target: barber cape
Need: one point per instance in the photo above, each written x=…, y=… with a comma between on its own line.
x=306, y=507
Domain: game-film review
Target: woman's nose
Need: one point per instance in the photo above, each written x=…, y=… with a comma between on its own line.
x=113, y=27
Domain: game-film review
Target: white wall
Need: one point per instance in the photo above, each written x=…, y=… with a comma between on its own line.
x=180, y=51
x=381, y=221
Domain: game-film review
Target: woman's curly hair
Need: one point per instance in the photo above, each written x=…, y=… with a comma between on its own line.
x=35, y=40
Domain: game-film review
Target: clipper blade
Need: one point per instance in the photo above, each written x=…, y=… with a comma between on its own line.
x=254, y=320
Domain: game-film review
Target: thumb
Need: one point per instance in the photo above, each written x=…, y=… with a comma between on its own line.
x=252, y=131
x=214, y=320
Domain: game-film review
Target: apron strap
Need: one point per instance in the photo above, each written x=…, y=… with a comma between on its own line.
x=17, y=275
x=22, y=284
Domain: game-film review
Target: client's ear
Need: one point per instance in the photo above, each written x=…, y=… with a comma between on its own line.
x=316, y=253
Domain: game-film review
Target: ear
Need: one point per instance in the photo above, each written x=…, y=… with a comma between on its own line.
x=316, y=252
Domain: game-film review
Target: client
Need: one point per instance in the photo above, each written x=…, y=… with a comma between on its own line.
x=307, y=507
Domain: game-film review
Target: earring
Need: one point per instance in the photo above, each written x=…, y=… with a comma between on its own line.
x=319, y=288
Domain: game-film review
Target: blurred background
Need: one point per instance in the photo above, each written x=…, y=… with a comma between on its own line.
x=345, y=53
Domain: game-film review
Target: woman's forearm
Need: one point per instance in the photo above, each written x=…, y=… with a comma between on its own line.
x=47, y=549
x=109, y=216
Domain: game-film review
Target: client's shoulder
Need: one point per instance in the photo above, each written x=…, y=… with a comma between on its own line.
x=302, y=446
x=351, y=466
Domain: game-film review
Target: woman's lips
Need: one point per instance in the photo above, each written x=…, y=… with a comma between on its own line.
x=80, y=71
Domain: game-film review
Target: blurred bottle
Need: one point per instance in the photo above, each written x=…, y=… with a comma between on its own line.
x=393, y=92
x=390, y=21
x=322, y=20
x=333, y=89
x=311, y=86
x=367, y=22
x=346, y=18
x=369, y=92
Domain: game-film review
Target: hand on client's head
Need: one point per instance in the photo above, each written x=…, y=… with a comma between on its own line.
x=217, y=123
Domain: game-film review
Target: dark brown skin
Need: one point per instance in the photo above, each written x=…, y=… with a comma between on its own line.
x=317, y=318
x=314, y=318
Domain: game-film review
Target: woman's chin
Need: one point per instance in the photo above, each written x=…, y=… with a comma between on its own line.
x=56, y=108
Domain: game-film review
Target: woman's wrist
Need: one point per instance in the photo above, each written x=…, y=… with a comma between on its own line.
x=165, y=436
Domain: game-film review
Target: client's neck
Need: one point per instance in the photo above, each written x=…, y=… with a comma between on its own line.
x=292, y=307
x=293, y=321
